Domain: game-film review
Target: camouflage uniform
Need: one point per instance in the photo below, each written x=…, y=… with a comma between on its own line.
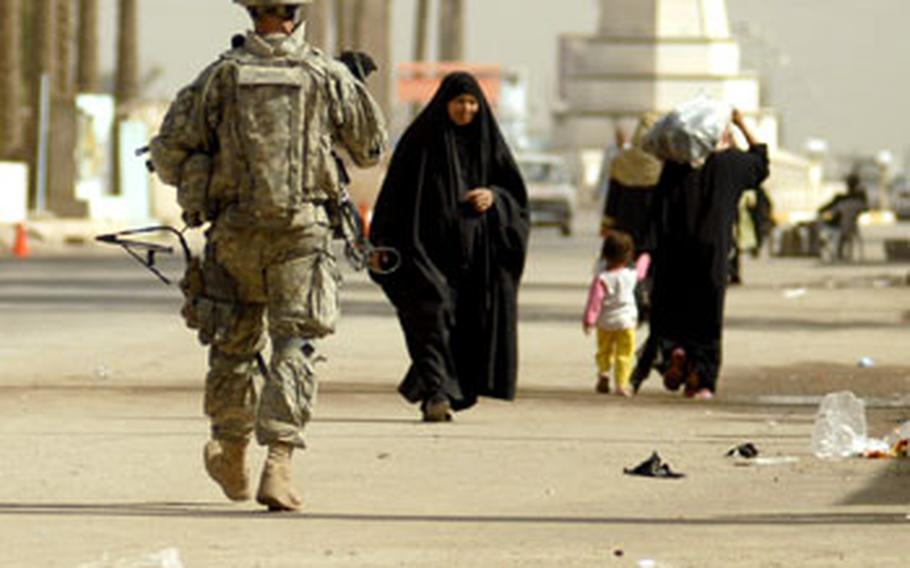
x=249, y=147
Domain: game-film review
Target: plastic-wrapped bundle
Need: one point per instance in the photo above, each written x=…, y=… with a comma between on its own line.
x=690, y=133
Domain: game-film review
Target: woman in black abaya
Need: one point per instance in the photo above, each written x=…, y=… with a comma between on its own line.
x=693, y=211
x=455, y=207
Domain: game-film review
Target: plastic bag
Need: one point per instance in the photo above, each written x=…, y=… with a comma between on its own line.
x=689, y=133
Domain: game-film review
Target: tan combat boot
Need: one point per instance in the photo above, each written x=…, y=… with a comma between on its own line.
x=275, y=490
x=225, y=463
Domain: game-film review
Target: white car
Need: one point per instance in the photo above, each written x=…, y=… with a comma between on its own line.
x=550, y=191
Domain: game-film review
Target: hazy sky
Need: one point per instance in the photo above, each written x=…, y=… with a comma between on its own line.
x=835, y=69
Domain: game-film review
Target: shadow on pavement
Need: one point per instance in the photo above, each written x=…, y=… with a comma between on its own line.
x=892, y=487
x=204, y=511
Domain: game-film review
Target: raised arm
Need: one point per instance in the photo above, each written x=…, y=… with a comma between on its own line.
x=359, y=125
x=740, y=123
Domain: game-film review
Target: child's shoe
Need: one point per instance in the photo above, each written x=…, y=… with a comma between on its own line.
x=603, y=384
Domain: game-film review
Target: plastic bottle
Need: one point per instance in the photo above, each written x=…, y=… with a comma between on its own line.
x=840, y=427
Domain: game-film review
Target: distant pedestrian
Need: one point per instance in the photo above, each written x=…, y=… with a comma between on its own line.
x=611, y=310
x=633, y=175
x=614, y=149
x=694, y=212
x=838, y=219
x=753, y=225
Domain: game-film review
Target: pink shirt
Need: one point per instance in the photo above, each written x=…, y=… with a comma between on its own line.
x=611, y=297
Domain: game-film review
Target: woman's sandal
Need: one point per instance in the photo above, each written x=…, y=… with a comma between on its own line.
x=437, y=411
x=675, y=375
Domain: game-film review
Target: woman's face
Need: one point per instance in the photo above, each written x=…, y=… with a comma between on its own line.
x=463, y=109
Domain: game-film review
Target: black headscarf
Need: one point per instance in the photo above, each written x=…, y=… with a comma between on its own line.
x=435, y=162
x=460, y=269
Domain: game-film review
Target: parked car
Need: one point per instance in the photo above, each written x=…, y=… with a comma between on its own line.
x=900, y=197
x=551, y=194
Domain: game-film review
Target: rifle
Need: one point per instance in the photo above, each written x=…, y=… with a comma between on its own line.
x=349, y=227
x=150, y=250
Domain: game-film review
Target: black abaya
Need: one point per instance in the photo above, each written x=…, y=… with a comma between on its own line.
x=694, y=211
x=456, y=290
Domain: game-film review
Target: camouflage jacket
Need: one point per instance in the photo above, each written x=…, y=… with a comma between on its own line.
x=250, y=141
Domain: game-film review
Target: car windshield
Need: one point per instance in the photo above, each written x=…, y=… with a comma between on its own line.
x=543, y=172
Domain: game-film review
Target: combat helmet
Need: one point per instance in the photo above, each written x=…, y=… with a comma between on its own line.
x=297, y=5
x=263, y=3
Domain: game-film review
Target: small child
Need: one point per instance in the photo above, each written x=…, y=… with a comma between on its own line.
x=611, y=309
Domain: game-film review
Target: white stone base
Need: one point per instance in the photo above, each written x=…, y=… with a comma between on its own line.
x=13, y=192
x=584, y=55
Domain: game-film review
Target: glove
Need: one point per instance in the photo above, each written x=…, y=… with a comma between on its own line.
x=360, y=64
x=192, y=219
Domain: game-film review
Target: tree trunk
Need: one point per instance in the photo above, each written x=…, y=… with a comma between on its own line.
x=63, y=38
x=421, y=40
x=421, y=30
x=127, y=90
x=11, y=108
x=317, y=24
x=88, y=47
x=372, y=28
x=451, y=30
x=343, y=24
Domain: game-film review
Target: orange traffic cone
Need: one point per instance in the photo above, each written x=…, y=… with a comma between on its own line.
x=20, y=246
x=366, y=215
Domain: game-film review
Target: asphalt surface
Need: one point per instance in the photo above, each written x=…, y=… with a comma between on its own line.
x=100, y=417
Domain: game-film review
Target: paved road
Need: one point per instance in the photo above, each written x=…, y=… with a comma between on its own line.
x=101, y=429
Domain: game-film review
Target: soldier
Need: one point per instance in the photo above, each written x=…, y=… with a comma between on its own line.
x=249, y=146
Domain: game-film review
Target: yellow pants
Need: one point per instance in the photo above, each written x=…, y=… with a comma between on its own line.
x=616, y=349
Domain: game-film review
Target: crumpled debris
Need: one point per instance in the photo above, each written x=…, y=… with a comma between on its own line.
x=747, y=451
x=900, y=448
x=654, y=467
x=794, y=293
x=167, y=558
x=776, y=460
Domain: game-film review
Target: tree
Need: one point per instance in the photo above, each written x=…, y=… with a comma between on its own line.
x=372, y=27
x=10, y=80
x=87, y=67
x=63, y=38
x=317, y=24
x=343, y=24
x=127, y=89
x=421, y=30
x=451, y=30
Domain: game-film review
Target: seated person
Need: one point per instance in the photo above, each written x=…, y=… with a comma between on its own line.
x=840, y=216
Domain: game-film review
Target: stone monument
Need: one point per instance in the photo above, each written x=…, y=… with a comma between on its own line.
x=650, y=55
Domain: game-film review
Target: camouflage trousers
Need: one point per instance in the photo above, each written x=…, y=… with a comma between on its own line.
x=289, y=279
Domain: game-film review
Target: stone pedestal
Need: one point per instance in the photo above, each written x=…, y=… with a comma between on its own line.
x=650, y=55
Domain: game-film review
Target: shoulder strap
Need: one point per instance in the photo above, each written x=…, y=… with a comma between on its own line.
x=225, y=62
